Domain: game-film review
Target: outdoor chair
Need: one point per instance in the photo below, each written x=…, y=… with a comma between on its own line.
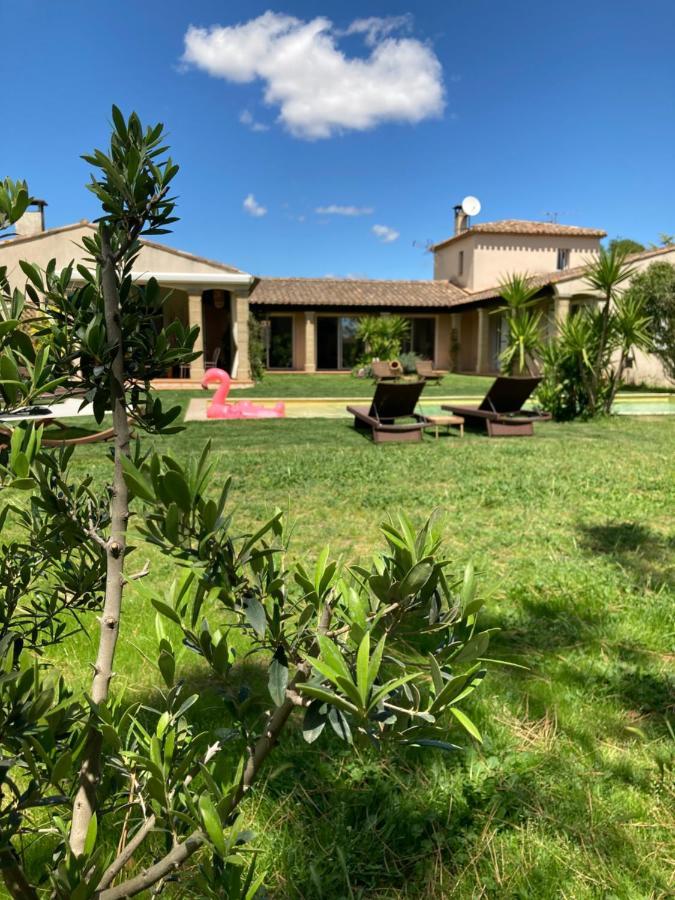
x=392, y=402
x=55, y=433
x=386, y=371
x=501, y=411
x=425, y=370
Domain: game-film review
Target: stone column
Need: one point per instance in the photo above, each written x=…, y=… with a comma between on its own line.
x=455, y=340
x=195, y=318
x=483, y=342
x=310, y=342
x=241, y=309
x=561, y=311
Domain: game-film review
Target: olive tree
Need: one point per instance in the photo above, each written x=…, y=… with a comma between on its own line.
x=121, y=794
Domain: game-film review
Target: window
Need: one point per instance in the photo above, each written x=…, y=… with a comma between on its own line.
x=563, y=259
x=279, y=340
x=460, y=265
x=336, y=344
x=422, y=337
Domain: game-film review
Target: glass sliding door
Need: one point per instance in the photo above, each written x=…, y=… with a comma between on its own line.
x=350, y=347
x=337, y=346
x=327, y=342
x=280, y=342
x=421, y=337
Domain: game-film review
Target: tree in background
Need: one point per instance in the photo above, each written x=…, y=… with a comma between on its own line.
x=655, y=290
x=523, y=325
x=625, y=245
x=122, y=794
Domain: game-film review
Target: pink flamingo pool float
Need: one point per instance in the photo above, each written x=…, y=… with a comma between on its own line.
x=241, y=409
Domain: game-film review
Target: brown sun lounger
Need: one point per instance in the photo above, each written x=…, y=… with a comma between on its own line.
x=390, y=403
x=55, y=433
x=501, y=411
x=382, y=371
x=425, y=370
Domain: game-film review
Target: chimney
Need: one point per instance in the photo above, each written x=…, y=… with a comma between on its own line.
x=32, y=221
x=461, y=220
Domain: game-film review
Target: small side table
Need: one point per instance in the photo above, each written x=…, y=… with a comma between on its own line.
x=437, y=421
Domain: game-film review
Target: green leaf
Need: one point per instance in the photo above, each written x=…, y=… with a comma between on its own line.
x=166, y=610
x=136, y=480
x=376, y=662
x=319, y=693
x=314, y=721
x=466, y=722
x=416, y=578
x=212, y=824
x=362, y=661
x=90, y=839
x=277, y=680
x=340, y=725
x=331, y=654
x=255, y=615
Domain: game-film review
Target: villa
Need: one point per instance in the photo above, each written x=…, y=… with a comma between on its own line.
x=309, y=324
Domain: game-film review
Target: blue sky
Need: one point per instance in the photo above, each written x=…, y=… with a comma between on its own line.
x=534, y=107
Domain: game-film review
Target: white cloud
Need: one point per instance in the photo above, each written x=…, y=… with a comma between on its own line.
x=374, y=28
x=318, y=89
x=246, y=118
x=253, y=208
x=386, y=234
x=335, y=210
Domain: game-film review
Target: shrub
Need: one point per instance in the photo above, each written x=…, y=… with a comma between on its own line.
x=126, y=793
x=382, y=336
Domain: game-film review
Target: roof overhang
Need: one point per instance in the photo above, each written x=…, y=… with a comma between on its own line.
x=225, y=280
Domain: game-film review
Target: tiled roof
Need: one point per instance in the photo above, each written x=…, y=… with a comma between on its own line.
x=524, y=226
x=310, y=292
x=50, y=232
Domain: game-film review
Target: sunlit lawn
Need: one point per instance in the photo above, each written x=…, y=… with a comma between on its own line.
x=573, y=535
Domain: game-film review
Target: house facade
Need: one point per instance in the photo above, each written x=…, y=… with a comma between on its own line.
x=199, y=291
x=309, y=324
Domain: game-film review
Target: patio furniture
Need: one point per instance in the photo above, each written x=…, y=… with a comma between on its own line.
x=390, y=403
x=55, y=433
x=448, y=421
x=425, y=369
x=385, y=371
x=213, y=363
x=501, y=411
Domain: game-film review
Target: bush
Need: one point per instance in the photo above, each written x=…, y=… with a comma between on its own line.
x=382, y=336
x=256, y=348
x=409, y=362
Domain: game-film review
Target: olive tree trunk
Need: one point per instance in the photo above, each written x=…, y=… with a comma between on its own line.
x=84, y=805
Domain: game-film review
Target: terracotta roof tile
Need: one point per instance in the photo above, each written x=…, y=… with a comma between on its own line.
x=524, y=226
x=336, y=292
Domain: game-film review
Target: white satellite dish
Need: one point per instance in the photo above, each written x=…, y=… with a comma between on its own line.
x=471, y=206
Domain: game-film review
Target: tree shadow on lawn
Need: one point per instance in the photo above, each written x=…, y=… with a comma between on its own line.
x=367, y=824
x=649, y=557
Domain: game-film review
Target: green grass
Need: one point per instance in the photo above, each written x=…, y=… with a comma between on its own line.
x=301, y=385
x=573, y=536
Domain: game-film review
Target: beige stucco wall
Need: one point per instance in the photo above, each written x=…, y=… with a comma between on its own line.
x=488, y=258
x=442, y=348
x=446, y=263
x=648, y=368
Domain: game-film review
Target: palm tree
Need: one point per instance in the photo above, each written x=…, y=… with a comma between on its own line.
x=524, y=324
x=604, y=275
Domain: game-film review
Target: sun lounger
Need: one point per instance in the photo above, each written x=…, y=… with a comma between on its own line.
x=501, y=411
x=54, y=433
x=385, y=371
x=425, y=370
x=391, y=403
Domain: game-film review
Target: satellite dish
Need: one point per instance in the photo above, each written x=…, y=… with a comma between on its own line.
x=471, y=206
